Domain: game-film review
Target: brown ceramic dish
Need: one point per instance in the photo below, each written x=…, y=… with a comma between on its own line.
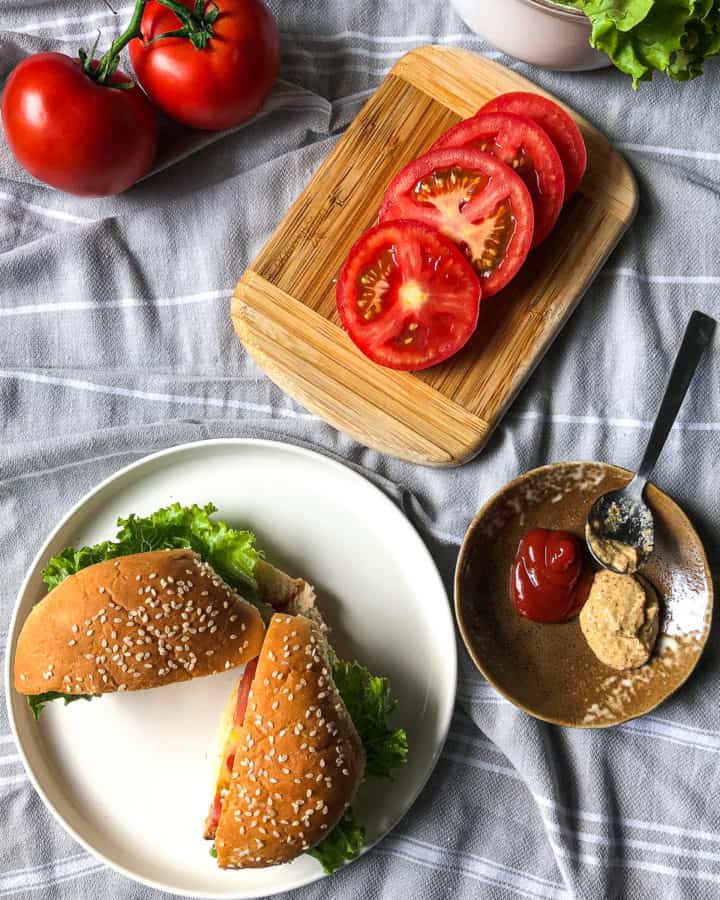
x=548, y=670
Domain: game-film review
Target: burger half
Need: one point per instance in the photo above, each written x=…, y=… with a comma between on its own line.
x=158, y=605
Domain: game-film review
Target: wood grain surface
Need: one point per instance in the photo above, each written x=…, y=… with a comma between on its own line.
x=284, y=305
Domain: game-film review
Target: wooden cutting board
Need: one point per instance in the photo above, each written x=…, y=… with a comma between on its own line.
x=284, y=306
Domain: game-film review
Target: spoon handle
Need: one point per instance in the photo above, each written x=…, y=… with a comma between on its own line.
x=698, y=335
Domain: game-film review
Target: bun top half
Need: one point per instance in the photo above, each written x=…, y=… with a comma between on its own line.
x=134, y=622
x=300, y=760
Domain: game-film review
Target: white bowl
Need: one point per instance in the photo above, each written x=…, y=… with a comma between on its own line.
x=536, y=31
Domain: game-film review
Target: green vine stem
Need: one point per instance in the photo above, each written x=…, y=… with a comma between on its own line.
x=196, y=26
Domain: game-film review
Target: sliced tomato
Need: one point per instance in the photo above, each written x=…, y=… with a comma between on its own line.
x=230, y=749
x=244, y=691
x=407, y=296
x=473, y=199
x=521, y=144
x=556, y=123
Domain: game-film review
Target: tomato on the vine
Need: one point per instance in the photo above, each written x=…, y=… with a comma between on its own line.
x=75, y=134
x=217, y=82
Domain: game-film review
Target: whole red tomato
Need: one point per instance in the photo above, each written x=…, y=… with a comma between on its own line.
x=224, y=83
x=74, y=134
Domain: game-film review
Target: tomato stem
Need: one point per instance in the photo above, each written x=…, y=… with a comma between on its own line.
x=109, y=61
x=196, y=26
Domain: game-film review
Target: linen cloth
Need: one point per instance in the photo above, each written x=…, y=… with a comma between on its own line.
x=115, y=341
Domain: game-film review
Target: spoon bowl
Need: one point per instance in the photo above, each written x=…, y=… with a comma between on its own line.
x=620, y=530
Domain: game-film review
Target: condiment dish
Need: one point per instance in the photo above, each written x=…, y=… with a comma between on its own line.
x=549, y=671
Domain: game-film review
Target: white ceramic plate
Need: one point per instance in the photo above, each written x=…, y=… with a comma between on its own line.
x=130, y=775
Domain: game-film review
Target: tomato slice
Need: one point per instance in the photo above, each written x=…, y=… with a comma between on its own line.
x=521, y=144
x=230, y=749
x=558, y=125
x=407, y=296
x=476, y=201
x=244, y=691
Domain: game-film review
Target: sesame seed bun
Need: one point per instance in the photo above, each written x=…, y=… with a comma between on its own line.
x=135, y=622
x=300, y=759
x=276, y=592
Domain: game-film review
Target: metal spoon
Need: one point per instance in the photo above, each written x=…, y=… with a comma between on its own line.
x=620, y=531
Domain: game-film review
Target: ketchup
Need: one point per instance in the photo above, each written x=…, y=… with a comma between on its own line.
x=550, y=578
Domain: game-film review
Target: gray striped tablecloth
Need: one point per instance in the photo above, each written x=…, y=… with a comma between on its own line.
x=115, y=341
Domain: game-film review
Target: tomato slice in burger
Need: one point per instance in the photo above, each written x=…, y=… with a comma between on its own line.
x=473, y=199
x=407, y=296
x=556, y=123
x=232, y=742
x=521, y=144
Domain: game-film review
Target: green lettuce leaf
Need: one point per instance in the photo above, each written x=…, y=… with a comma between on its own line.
x=38, y=701
x=645, y=36
x=343, y=843
x=231, y=553
x=370, y=703
x=70, y=561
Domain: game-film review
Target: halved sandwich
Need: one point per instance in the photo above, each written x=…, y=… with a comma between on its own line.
x=136, y=622
x=276, y=591
x=160, y=604
x=300, y=733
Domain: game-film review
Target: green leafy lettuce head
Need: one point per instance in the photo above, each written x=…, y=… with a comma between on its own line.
x=646, y=36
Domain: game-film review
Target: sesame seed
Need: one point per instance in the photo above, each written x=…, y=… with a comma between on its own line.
x=72, y=643
x=89, y=632
x=75, y=629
